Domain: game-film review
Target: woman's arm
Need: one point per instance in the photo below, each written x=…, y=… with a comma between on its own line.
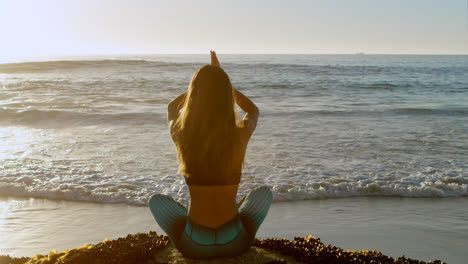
x=250, y=109
x=174, y=107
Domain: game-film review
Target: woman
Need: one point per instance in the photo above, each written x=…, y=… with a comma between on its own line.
x=211, y=145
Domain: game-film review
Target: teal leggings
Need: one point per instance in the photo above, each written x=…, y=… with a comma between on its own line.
x=196, y=241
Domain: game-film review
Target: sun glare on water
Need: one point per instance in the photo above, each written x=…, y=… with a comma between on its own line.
x=3, y=210
x=14, y=142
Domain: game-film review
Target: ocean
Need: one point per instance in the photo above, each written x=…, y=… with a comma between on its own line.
x=364, y=151
x=331, y=126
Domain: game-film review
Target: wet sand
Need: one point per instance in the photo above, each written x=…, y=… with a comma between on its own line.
x=423, y=228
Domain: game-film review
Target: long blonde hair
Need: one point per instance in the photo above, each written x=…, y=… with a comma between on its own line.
x=206, y=134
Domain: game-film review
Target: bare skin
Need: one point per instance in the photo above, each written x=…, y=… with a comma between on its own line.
x=215, y=205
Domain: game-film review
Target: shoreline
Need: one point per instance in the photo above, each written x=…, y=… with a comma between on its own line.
x=419, y=228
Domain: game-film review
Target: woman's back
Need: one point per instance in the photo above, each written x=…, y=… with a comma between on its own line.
x=210, y=145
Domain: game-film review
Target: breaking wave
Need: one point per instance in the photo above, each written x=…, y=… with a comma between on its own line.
x=69, y=118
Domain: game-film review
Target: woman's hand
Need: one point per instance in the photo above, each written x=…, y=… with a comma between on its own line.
x=214, y=59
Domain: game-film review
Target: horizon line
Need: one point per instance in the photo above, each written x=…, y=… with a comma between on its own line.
x=240, y=53
x=27, y=59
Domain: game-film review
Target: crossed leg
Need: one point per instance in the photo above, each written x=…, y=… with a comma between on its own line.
x=171, y=216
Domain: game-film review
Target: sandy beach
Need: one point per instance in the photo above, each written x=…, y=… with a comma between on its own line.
x=36, y=226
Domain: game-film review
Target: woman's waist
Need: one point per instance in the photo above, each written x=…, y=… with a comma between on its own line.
x=213, y=194
x=212, y=179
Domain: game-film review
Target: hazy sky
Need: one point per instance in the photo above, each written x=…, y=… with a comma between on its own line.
x=64, y=27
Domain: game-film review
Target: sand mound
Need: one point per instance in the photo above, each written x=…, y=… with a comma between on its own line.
x=153, y=248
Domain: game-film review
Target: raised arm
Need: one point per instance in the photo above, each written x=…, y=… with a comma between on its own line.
x=214, y=58
x=173, y=108
x=251, y=110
